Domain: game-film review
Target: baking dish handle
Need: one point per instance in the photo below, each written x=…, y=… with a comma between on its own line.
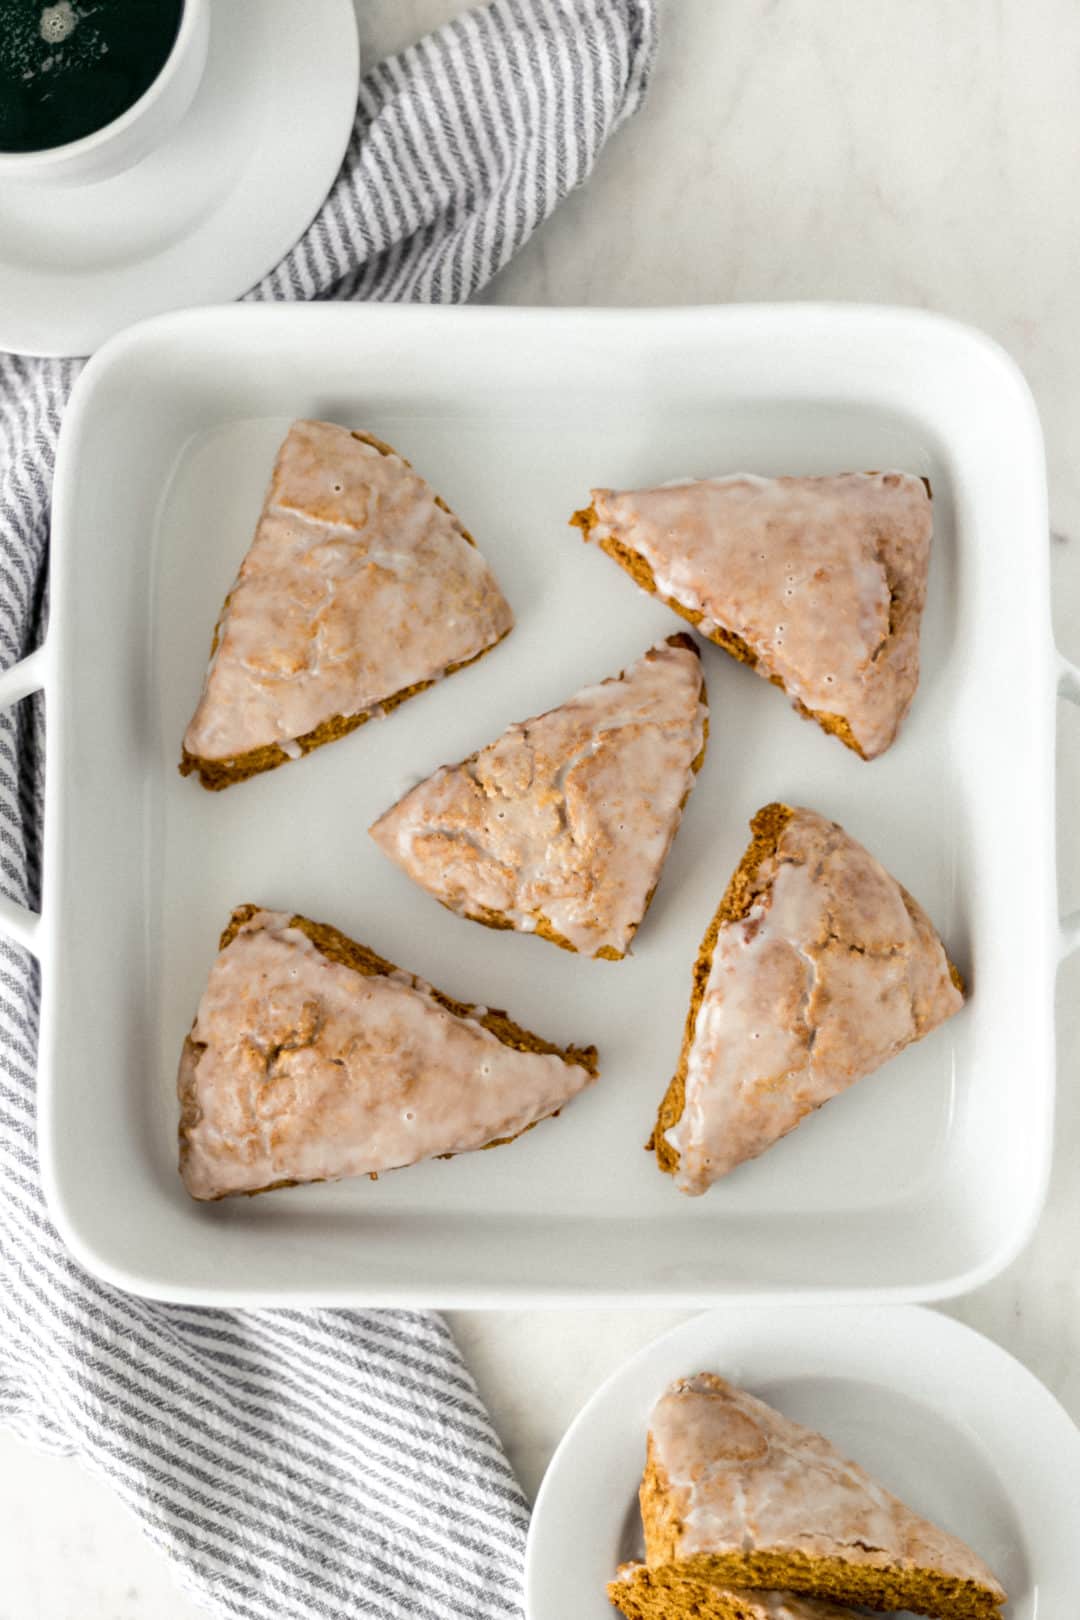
x=1069, y=687
x=23, y=678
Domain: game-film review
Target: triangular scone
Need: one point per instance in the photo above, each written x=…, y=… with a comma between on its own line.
x=733, y=1491
x=360, y=589
x=817, y=583
x=668, y=1593
x=816, y=969
x=562, y=825
x=312, y=1059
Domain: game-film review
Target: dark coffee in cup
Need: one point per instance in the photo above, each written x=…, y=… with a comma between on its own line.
x=70, y=67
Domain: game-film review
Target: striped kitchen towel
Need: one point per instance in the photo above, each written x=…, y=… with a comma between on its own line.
x=315, y=1463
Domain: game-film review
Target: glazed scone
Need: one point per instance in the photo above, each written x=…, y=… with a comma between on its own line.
x=816, y=969
x=312, y=1059
x=735, y=1492
x=360, y=589
x=817, y=583
x=641, y=1593
x=562, y=825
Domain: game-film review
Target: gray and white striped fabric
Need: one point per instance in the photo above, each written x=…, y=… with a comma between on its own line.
x=317, y=1463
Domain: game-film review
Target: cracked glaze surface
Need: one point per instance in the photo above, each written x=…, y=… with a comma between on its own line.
x=824, y=579
x=833, y=971
x=299, y=1068
x=566, y=819
x=357, y=586
x=727, y=1473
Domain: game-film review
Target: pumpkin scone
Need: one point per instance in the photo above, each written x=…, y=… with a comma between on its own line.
x=735, y=1492
x=817, y=583
x=641, y=1593
x=360, y=589
x=313, y=1059
x=816, y=969
x=562, y=825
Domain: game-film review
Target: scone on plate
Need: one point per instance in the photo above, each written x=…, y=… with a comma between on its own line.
x=312, y=1059
x=736, y=1494
x=562, y=825
x=360, y=589
x=817, y=583
x=668, y=1594
x=816, y=969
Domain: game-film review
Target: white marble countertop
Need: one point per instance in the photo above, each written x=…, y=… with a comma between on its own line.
x=919, y=152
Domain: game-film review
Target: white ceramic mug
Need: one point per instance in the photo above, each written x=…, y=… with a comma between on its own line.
x=142, y=126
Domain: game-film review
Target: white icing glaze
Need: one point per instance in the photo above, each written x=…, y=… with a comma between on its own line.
x=823, y=578
x=357, y=585
x=312, y=1071
x=828, y=976
x=741, y=1477
x=568, y=816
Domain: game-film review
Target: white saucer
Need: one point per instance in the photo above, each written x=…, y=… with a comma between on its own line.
x=207, y=214
x=945, y=1419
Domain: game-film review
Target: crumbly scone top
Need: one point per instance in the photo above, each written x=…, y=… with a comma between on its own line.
x=732, y=1474
x=298, y=1068
x=357, y=585
x=824, y=579
x=832, y=971
x=567, y=817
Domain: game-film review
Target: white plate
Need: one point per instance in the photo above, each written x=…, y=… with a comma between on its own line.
x=941, y=1416
x=208, y=213
x=923, y=1180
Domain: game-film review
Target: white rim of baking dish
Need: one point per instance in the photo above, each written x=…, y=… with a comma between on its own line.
x=40, y=933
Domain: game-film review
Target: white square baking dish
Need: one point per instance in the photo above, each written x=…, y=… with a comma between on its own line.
x=923, y=1181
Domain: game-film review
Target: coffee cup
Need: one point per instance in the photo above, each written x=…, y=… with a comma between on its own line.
x=136, y=130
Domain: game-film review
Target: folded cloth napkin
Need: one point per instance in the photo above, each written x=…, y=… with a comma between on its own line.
x=295, y=1463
